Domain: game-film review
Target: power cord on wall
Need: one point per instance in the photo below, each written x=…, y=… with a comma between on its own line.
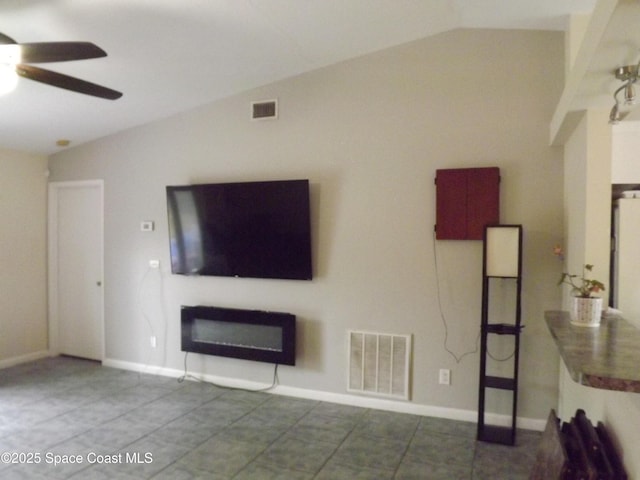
x=457, y=358
x=500, y=359
x=187, y=376
x=144, y=314
x=161, y=323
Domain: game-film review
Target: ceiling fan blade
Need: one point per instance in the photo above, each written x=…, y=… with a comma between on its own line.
x=64, y=81
x=43, y=52
x=6, y=39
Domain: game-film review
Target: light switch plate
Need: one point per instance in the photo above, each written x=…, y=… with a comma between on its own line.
x=146, y=226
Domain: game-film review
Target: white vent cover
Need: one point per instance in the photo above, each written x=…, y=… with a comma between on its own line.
x=264, y=109
x=379, y=364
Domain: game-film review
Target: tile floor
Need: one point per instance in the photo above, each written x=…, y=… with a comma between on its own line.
x=68, y=418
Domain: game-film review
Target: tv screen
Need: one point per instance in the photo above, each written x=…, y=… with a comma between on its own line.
x=247, y=229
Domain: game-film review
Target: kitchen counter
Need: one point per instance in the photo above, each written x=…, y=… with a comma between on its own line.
x=606, y=357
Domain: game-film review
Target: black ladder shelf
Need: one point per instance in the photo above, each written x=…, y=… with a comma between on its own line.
x=502, y=259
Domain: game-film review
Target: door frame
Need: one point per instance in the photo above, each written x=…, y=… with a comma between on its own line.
x=52, y=250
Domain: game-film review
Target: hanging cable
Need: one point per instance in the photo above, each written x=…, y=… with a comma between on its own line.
x=500, y=359
x=457, y=358
x=186, y=375
x=145, y=316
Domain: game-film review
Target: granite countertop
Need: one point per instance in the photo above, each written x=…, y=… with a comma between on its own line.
x=606, y=357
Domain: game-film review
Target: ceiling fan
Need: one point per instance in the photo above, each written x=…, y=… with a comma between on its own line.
x=47, y=52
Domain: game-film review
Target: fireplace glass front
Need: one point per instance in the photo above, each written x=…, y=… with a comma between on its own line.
x=247, y=334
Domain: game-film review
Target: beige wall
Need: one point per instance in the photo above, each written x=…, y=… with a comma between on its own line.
x=23, y=300
x=369, y=134
x=587, y=193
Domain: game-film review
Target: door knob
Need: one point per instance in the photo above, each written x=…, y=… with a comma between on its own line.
x=99, y=283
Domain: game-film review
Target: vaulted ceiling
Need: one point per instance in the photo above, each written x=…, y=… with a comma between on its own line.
x=168, y=56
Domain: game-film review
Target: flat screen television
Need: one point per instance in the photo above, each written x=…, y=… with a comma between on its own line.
x=244, y=229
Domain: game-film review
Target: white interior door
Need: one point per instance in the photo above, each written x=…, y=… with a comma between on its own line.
x=76, y=300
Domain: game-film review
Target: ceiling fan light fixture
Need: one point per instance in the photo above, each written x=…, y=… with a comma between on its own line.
x=8, y=78
x=10, y=54
x=20, y=56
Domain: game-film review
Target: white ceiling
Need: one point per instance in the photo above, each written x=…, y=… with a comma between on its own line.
x=168, y=56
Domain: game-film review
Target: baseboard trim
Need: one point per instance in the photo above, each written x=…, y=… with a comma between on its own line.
x=340, y=398
x=29, y=357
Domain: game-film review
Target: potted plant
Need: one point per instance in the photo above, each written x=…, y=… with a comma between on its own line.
x=586, y=309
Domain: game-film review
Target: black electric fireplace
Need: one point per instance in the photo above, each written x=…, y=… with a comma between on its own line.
x=248, y=334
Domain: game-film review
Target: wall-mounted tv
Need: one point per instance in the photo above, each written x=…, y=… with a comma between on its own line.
x=244, y=229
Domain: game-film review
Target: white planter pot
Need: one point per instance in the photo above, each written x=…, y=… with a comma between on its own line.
x=586, y=312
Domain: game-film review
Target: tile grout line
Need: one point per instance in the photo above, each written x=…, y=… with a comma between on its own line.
x=342, y=442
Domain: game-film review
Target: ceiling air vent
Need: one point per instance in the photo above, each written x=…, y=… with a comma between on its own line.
x=265, y=109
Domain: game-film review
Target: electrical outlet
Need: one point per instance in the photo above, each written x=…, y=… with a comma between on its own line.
x=445, y=376
x=153, y=341
x=154, y=263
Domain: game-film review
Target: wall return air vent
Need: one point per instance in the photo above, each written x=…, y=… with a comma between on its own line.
x=379, y=364
x=264, y=110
